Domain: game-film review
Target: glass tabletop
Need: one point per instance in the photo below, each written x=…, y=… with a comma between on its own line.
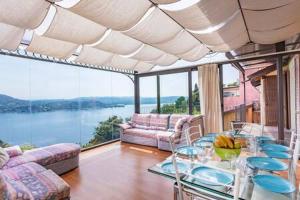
x=196, y=173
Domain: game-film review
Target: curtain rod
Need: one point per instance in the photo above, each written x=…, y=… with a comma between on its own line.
x=223, y=62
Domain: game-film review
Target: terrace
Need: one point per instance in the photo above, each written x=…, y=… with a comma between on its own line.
x=132, y=99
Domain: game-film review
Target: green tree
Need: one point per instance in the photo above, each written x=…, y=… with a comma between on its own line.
x=105, y=131
x=196, y=99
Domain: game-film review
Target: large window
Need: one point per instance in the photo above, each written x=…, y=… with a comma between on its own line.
x=195, y=93
x=43, y=103
x=174, y=93
x=148, y=94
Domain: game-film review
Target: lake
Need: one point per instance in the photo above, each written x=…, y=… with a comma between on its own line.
x=45, y=128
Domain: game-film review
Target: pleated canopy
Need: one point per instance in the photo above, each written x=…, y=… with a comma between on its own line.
x=51, y=47
x=10, y=36
x=24, y=14
x=71, y=27
x=116, y=42
x=140, y=34
x=115, y=14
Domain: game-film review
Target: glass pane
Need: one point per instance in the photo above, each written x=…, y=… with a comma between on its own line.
x=96, y=106
x=174, y=93
x=54, y=103
x=14, y=101
x=148, y=94
x=195, y=94
x=233, y=100
x=123, y=101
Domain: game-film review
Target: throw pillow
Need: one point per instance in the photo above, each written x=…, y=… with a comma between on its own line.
x=14, y=151
x=4, y=157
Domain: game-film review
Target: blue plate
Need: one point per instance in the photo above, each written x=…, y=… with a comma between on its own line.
x=211, y=135
x=264, y=138
x=274, y=147
x=210, y=176
x=207, y=139
x=168, y=167
x=278, y=154
x=203, y=143
x=274, y=184
x=188, y=151
x=266, y=163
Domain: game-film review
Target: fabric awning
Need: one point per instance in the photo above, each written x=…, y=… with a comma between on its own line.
x=143, y=33
x=51, y=47
x=10, y=36
x=24, y=14
x=118, y=43
x=115, y=14
x=154, y=27
x=93, y=56
x=74, y=28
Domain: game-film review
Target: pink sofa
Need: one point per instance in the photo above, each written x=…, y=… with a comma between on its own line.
x=33, y=174
x=155, y=129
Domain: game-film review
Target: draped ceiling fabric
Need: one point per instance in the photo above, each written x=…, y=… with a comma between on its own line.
x=143, y=33
x=74, y=28
x=154, y=27
x=10, y=36
x=51, y=47
x=93, y=56
x=116, y=14
x=208, y=78
x=118, y=43
x=23, y=14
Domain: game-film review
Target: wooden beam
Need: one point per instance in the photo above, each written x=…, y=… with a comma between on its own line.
x=190, y=87
x=236, y=65
x=280, y=87
x=229, y=61
x=137, y=103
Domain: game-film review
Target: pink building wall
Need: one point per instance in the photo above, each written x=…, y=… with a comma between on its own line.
x=252, y=94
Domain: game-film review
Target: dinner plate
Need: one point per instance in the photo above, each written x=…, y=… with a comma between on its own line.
x=210, y=176
x=278, y=154
x=188, y=151
x=266, y=163
x=168, y=167
x=264, y=138
x=274, y=147
x=273, y=183
x=203, y=144
x=207, y=139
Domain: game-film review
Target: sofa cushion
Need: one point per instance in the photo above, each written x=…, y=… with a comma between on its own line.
x=164, y=136
x=46, y=155
x=141, y=133
x=159, y=122
x=42, y=186
x=3, y=187
x=13, y=151
x=4, y=157
x=140, y=121
x=174, y=118
x=22, y=171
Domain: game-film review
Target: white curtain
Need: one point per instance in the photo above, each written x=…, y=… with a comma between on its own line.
x=210, y=97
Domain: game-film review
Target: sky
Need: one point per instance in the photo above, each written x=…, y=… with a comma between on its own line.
x=33, y=79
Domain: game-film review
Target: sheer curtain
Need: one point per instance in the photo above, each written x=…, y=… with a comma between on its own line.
x=210, y=102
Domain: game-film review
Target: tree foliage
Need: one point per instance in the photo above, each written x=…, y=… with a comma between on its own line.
x=105, y=131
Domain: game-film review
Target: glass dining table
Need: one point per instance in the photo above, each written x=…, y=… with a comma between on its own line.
x=202, y=186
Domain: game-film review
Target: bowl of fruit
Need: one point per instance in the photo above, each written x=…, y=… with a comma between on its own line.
x=227, y=147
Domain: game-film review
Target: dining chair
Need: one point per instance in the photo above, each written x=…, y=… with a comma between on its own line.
x=193, y=134
x=247, y=128
x=187, y=191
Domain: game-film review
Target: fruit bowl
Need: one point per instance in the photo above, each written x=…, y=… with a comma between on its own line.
x=227, y=154
x=227, y=147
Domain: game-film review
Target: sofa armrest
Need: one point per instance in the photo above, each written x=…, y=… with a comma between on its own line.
x=124, y=126
x=13, y=151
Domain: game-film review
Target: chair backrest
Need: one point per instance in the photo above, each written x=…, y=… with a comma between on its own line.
x=175, y=141
x=247, y=128
x=192, y=134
